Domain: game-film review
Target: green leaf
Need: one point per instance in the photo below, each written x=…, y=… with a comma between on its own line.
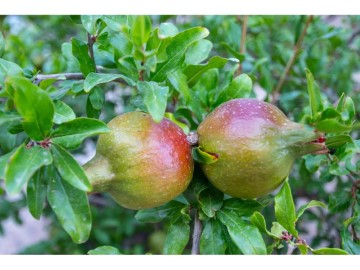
x=71, y=207
x=93, y=79
x=211, y=201
x=63, y=113
x=141, y=30
x=242, y=207
x=212, y=239
x=238, y=56
x=179, y=81
x=310, y=204
x=313, y=162
x=246, y=236
x=167, y=30
x=285, y=209
x=198, y=52
x=36, y=192
x=203, y=157
x=303, y=249
x=314, y=93
x=2, y=44
x=91, y=112
x=80, y=51
x=277, y=230
x=240, y=87
x=8, y=117
x=71, y=134
x=177, y=237
x=176, y=51
x=104, y=250
x=9, y=69
x=329, y=251
x=69, y=169
x=193, y=72
x=157, y=214
x=338, y=140
x=258, y=220
x=23, y=164
x=89, y=23
x=155, y=98
x=35, y=106
x=182, y=125
x=348, y=244
x=97, y=98
x=3, y=161
x=332, y=126
x=349, y=106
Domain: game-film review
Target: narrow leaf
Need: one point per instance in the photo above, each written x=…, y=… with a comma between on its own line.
x=211, y=201
x=34, y=105
x=3, y=162
x=80, y=51
x=157, y=214
x=193, y=72
x=310, y=204
x=9, y=69
x=246, y=236
x=71, y=207
x=285, y=209
x=69, y=169
x=2, y=44
x=155, y=98
x=141, y=30
x=36, y=192
x=332, y=126
x=203, y=157
x=71, y=134
x=259, y=221
x=97, y=98
x=240, y=87
x=177, y=237
x=242, y=207
x=63, y=113
x=314, y=93
x=23, y=164
x=198, y=52
x=104, y=250
x=93, y=79
x=212, y=240
x=329, y=251
x=176, y=51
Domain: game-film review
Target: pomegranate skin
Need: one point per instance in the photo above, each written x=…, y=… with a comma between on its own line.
x=143, y=164
x=257, y=145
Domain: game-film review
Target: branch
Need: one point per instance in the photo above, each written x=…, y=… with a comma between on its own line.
x=91, y=41
x=291, y=61
x=243, y=40
x=195, y=250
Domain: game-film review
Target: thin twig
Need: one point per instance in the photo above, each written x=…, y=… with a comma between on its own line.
x=290, y=249
x=91, y=41
x=243, y=40
x=195, y=250
x=291, y=61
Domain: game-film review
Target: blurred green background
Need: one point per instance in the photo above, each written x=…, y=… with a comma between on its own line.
x=330, y=49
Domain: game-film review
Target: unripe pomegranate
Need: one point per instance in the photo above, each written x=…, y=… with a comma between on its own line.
x=256, y=146
x=142, y=164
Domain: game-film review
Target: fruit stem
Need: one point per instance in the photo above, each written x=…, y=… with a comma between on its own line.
x=98, y=171
x=193, y=138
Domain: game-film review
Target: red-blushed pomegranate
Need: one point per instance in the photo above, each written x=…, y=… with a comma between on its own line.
x=256, y=145
x=142, y=164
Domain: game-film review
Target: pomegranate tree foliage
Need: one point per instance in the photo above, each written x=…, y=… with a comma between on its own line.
x=182, y=67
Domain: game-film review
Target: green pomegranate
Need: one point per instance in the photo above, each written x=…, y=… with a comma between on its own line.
x=142, y=164
x=256, y=145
